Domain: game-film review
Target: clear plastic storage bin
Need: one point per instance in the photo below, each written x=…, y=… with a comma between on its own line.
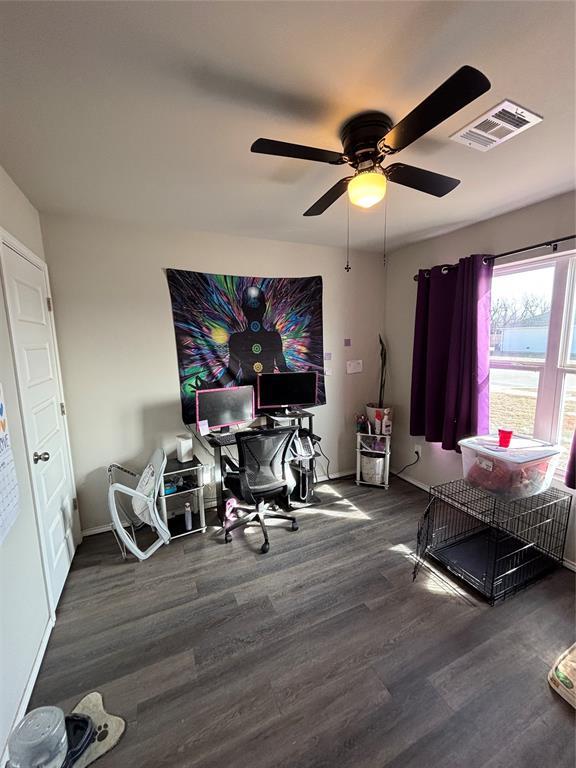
x=524, y=469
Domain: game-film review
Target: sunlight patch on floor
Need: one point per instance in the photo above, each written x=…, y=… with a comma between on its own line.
x=346, y=510
x=328, y=490
x=429, y=577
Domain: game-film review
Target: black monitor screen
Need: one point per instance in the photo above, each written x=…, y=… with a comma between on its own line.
x=224, y=406
x=276, y=390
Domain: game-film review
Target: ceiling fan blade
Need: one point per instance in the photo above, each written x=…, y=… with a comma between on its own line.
x=425, y=181
x=464, y=86
x=285, y=149
x=329, y=197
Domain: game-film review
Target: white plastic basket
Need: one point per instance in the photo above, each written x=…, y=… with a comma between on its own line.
x=372, y=469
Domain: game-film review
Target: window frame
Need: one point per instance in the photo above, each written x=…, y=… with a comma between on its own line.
x=556, y=364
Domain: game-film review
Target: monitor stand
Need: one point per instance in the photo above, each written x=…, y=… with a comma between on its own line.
x=224, y=430
x=292, y=412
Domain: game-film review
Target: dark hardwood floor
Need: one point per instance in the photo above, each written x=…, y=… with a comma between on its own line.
x=321, y=653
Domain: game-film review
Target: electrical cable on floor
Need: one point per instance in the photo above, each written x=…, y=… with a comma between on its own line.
x=411, y=464
x=327, y=462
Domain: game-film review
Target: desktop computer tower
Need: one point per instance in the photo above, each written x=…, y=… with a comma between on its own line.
x=304, y=488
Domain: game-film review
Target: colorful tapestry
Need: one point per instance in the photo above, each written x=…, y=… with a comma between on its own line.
x=229, y=329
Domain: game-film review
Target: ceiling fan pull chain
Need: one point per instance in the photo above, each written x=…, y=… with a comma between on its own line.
x=347, y=267
x=385, y=227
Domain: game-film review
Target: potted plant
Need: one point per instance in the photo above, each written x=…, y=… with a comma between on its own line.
x=384, y=413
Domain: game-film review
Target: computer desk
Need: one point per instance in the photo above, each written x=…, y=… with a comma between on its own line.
x=218, y=441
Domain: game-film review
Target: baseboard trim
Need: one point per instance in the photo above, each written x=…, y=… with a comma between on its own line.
x=321, y=479
x=97, y=529
x=26, y=696
x=336, y=476
x=411, y=480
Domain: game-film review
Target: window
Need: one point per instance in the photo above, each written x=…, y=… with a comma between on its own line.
x=533, y=350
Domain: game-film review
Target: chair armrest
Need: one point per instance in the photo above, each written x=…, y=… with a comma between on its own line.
x=119, y=488
x=227, y=461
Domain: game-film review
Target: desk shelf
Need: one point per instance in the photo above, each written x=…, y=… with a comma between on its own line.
x=183, y=492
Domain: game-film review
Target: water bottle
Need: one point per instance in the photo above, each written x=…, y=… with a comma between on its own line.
x=188, y=516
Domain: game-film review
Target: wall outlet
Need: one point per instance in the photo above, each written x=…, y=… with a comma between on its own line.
x=418, y=451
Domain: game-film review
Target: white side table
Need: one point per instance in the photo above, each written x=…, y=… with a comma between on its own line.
x=194, y=474
x=373, y=444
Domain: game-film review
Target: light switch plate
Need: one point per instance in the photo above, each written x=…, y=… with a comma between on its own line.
x=354, y=366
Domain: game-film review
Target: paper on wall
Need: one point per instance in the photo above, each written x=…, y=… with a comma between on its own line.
x=8, y=479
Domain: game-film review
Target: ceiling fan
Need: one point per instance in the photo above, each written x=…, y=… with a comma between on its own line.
x=369, y=137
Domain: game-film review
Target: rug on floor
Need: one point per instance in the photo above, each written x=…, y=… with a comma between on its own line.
x=108, y=728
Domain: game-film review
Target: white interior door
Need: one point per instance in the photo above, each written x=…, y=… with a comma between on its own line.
x=39, y=386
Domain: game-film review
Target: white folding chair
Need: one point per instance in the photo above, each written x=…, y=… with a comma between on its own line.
x=136, y=505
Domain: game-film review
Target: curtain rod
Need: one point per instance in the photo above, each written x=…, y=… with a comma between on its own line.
x=546, y=244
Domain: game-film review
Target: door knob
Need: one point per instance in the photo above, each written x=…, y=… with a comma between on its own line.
x=40, y=457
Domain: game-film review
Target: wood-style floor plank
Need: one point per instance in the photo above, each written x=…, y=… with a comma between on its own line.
x=321, y=653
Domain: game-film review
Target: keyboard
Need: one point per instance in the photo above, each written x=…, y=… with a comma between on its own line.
x=228, y=438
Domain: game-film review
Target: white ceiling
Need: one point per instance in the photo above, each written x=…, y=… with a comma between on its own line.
x=145, y=111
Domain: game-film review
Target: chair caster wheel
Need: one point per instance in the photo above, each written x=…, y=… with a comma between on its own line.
x=265, y=547
x=228, y=538
x=294, y=526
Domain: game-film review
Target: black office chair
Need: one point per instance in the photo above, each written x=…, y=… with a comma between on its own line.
x=261, y=476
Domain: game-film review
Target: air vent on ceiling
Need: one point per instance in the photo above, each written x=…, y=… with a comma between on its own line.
x=502, y=122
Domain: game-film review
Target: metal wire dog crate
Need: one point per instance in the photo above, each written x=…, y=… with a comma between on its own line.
x=497, y=547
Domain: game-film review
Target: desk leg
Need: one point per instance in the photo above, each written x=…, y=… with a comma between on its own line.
x=218, y=478
x=201, y=507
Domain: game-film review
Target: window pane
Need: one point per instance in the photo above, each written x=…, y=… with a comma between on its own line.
x=520, y=314
x=513, y=400
x=567, y=417
x=572, y=324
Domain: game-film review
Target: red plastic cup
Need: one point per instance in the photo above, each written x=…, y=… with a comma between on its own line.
x=504, y=437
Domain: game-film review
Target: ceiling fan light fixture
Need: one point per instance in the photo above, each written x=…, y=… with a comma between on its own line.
x=367, y=188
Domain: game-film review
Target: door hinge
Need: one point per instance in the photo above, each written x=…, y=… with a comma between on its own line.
x=49, y=302
x=74, y=503
x=62, y=409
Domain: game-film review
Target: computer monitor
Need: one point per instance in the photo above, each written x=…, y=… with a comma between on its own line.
x=225, y=406
x=281, y=390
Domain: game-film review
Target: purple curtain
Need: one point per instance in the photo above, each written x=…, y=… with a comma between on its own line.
x=570, y=478
x=450, y=368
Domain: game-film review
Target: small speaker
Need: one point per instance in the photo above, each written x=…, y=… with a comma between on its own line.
x=184, y=448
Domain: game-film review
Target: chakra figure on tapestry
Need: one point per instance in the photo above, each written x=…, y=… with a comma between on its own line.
x=229, y=329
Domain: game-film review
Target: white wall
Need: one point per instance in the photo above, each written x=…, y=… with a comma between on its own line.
x=18, y=216
x=24, y=614
x=534, y=224
x=117, y=346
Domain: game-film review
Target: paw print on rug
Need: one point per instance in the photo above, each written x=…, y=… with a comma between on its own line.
x=102, y=732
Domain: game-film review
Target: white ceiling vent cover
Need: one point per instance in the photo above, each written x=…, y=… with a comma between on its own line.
x=502, y=122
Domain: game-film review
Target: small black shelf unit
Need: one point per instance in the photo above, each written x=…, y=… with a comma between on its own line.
x=495, y=546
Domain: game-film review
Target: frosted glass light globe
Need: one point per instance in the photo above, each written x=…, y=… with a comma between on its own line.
x=367, y=188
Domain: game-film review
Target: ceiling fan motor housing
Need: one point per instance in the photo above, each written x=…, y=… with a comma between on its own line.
x=360, y=136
